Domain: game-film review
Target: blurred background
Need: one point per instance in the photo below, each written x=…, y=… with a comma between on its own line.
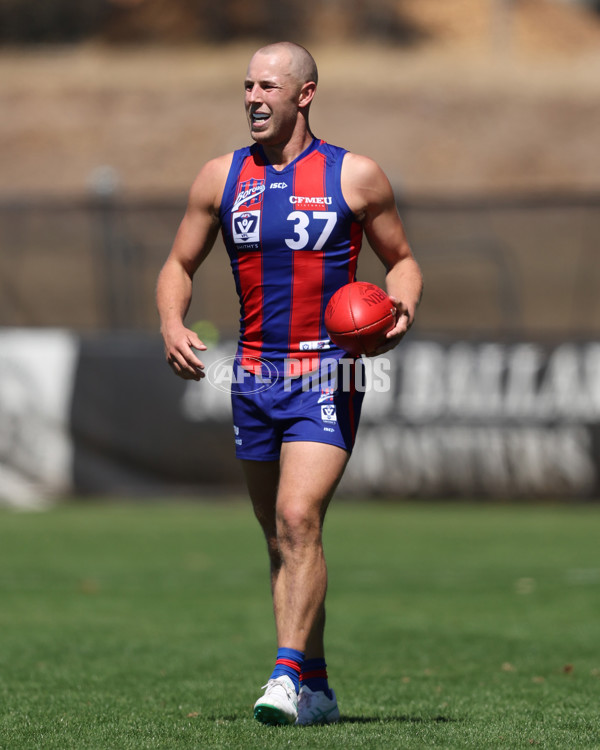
x=485, y=114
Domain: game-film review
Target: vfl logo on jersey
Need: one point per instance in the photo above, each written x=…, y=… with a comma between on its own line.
x=328, y=413
x=245, y=227
x=249, y=194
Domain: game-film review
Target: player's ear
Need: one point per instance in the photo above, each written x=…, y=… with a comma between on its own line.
x=307, y=93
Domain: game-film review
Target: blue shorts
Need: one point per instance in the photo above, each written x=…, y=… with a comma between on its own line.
x=322, y=407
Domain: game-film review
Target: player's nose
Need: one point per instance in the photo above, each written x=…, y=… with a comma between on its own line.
x=252, y=93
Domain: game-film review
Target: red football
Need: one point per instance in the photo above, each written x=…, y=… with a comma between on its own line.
x=358, y=316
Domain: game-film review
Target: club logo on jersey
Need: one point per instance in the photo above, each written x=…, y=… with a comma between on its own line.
x=328, y=413
x=327, y=394
x=245, y=227
x=250, y=193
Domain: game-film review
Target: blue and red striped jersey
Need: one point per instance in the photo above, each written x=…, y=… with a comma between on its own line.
x=292, y=241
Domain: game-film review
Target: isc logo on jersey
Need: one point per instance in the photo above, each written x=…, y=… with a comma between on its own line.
x=246, y=227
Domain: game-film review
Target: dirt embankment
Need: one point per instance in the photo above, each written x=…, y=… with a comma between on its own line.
x=484, y=102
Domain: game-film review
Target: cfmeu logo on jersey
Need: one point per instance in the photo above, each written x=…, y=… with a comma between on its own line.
x=227, y=375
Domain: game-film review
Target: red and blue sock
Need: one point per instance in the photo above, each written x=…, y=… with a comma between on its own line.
x=289, y=663
x=314, y=676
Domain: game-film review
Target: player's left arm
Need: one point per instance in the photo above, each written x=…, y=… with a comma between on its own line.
x=369, y=194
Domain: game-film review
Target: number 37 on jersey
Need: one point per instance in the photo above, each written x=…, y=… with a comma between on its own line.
x=304, y=230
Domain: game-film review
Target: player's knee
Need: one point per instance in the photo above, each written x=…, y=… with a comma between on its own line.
x=297, y=527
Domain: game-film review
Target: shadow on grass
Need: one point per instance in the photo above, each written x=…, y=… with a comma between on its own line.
x=403, y=719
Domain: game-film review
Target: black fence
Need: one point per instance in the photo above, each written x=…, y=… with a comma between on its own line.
x=520, y=265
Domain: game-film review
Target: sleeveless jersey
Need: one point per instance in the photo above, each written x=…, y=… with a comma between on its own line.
x=292, y=241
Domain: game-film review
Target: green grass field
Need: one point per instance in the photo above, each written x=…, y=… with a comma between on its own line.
x=149, y=626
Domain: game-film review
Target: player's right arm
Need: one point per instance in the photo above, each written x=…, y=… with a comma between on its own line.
x=193, y=242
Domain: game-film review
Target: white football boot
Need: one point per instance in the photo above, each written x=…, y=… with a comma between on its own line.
x=279, y=704
x=316, y=708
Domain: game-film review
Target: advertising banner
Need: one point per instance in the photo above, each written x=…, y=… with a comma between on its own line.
x=37, y=371
x=441, y=418
x=483, y=419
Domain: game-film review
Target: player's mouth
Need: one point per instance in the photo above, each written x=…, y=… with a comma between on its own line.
x=259, y=119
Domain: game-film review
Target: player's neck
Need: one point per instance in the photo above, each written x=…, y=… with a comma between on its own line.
x=281, y=155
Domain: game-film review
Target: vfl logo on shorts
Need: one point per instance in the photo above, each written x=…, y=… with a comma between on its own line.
x=328, y=413
x=245, y=227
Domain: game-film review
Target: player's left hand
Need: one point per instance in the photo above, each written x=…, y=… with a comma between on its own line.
x=403, y=323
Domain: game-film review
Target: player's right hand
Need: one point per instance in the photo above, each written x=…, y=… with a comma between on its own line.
x=179, y=351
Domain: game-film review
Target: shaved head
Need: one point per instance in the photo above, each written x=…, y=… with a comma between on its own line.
x=300, y=64
x=280, y=85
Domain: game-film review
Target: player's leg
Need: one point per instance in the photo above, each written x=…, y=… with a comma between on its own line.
x=279, y=704
x=330, y=413
x=258, y=445
x=309, y=474
x=290, y=504
x=262, y=481
x=315, y=648
x=290, y=501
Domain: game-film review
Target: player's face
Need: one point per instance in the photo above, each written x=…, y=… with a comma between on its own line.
x=271, y=99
